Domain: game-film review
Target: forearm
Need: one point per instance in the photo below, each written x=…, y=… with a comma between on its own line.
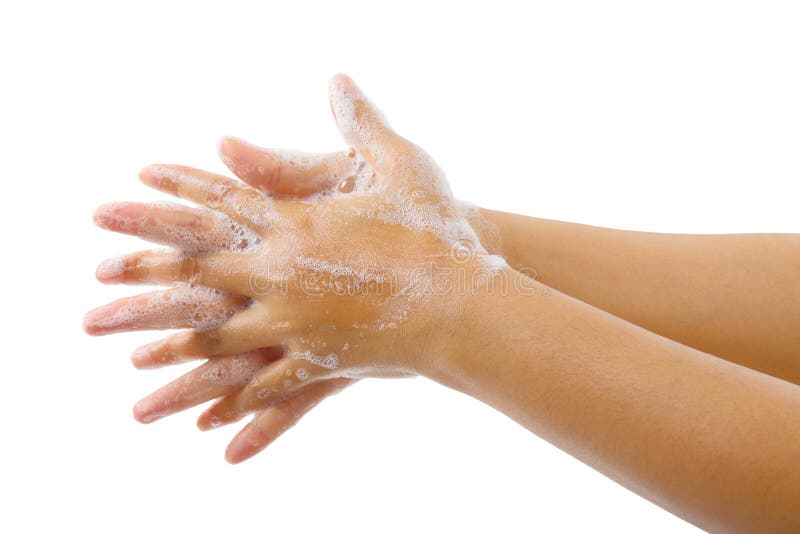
x=711, y=441
x=734, y=296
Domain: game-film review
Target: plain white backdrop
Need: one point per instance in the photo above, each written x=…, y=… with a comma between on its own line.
x=668, y=116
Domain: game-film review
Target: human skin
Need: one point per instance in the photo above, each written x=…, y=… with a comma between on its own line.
x=734, y=296
x=713, y=442
x=728, y=295
x=709, y=440
x=721, y=294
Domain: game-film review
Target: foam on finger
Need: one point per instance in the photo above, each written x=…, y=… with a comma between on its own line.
x=193, y=231
x=198, y=307
x=215, y=378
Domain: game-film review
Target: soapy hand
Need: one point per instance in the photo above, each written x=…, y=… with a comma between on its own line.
x=353, y=280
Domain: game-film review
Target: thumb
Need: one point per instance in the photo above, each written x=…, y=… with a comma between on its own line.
x=362, y=125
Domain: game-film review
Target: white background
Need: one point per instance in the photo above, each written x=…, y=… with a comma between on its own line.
x=669, y=116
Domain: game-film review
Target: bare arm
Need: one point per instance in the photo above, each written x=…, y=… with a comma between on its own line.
x=343, y=288
x=713, y=442
x=734, y=296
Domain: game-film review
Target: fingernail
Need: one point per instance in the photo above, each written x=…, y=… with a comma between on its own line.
x=142, y=357
x=160, y=177
x=348, y=87
x=228, y=143
x=145, y=411
x=148, y=176
x=97, y=321
x=102, y=214
x=111, y=270
x=140, y=410
x=230, y=457
x=88, y=324
x=234, y=453
x=209, y=420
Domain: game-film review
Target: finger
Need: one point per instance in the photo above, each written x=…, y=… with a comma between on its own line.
x=363, y=126
x=188, y=229
x=197, y=307
x=283, y=172
x=227, y=271
x=238, y=201
x=272, y=383
x=269, y=423
x=237, y=335
x=215, y=378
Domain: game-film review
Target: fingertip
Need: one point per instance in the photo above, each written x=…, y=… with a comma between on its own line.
x=147, y=176
x=111, y=270
x=143, y=413
x=343, y=84
x=100, y=216
x=232, y=456
x=138, y=413
x=226, y=147
x=230, y=144
x=208, y=420
x=360, y=122
x=89, y=325
x=142, y=358
x=245, y=160
x=342, y=93
x=243, y=446
x=232, y=152
x=159, y=176
x=116, y=215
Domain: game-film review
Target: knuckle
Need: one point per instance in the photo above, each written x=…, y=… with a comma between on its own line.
x=274, y=174
x=133, y=268
x=211, y=341
x=197, y=222
x=217, y=194
x=189, y=270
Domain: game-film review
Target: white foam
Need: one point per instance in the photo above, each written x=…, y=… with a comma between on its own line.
x=356, y=179
x=224, y=235
x=302, y=374
x=328, y=361
x=297, y=159
x=234, y=371
x=198, y=307
x=415, y=197
x=111, y=267
x=217, y=192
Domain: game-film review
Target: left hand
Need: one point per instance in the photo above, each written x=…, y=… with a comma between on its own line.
x=341, y=284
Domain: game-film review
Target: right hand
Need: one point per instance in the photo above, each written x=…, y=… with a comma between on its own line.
x=275, y=173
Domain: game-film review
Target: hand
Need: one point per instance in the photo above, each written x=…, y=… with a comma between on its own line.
x=357, y=311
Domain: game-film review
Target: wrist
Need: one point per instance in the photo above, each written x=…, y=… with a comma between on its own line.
x=469, y=323
x=505, y=234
